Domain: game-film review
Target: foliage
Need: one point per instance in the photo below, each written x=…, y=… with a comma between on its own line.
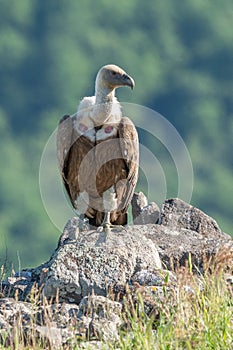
x=180, y=55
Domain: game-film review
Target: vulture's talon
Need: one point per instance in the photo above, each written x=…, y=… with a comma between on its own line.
x=105, y=227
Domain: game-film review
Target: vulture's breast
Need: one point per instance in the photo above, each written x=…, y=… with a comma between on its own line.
x=110, y=167
x=102, y=166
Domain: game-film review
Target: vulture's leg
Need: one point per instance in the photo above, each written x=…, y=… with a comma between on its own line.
x=106, y=222
x=110, y=204
x=81, y=205
x=83, y=223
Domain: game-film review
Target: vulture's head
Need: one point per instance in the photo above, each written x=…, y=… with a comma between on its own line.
x=111, y=77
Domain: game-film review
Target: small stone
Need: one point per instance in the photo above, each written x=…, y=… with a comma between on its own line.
x=144, y=213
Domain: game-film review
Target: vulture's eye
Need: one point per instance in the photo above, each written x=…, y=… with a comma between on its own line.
x=113, y=73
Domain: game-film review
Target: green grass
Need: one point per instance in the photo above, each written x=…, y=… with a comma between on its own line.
x=197, y=314
x=201, y=320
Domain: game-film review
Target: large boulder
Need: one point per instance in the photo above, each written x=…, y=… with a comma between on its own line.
x=96, y=262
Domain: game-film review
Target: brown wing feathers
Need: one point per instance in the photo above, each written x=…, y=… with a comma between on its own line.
x=130, y=153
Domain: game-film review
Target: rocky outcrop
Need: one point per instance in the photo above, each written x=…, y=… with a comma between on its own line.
x=76, y=290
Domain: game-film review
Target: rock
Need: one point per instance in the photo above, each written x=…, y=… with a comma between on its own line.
x=97, y=263
x=144, y=213
x=17, y=284
x=155, y=278
x=10, y=309
x=179, y=215
x=103, y=317
x=187, y=231
x=17, y=317
x=48, y=336
x=71, y=231
x=58, y=324
x=176, y=247
x=100, y=306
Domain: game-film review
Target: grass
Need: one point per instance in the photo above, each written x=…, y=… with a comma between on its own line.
x=202, y=319
x=196, y=314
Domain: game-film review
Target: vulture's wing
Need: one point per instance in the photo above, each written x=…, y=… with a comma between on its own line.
x=130, y=153
x=64, y=140
x=72, y=148
x=64, y=144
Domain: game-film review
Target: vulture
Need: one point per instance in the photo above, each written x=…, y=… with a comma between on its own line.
x=98, y=153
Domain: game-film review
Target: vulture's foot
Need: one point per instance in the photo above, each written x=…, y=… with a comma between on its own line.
x=108, y=227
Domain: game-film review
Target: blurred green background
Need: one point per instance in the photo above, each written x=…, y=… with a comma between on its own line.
x=180, y=54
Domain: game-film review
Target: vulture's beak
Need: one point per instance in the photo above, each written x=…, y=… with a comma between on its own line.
x=128, y=81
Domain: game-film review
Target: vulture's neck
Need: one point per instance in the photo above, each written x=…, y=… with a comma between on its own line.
x=104, y=95
x=103, y=105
